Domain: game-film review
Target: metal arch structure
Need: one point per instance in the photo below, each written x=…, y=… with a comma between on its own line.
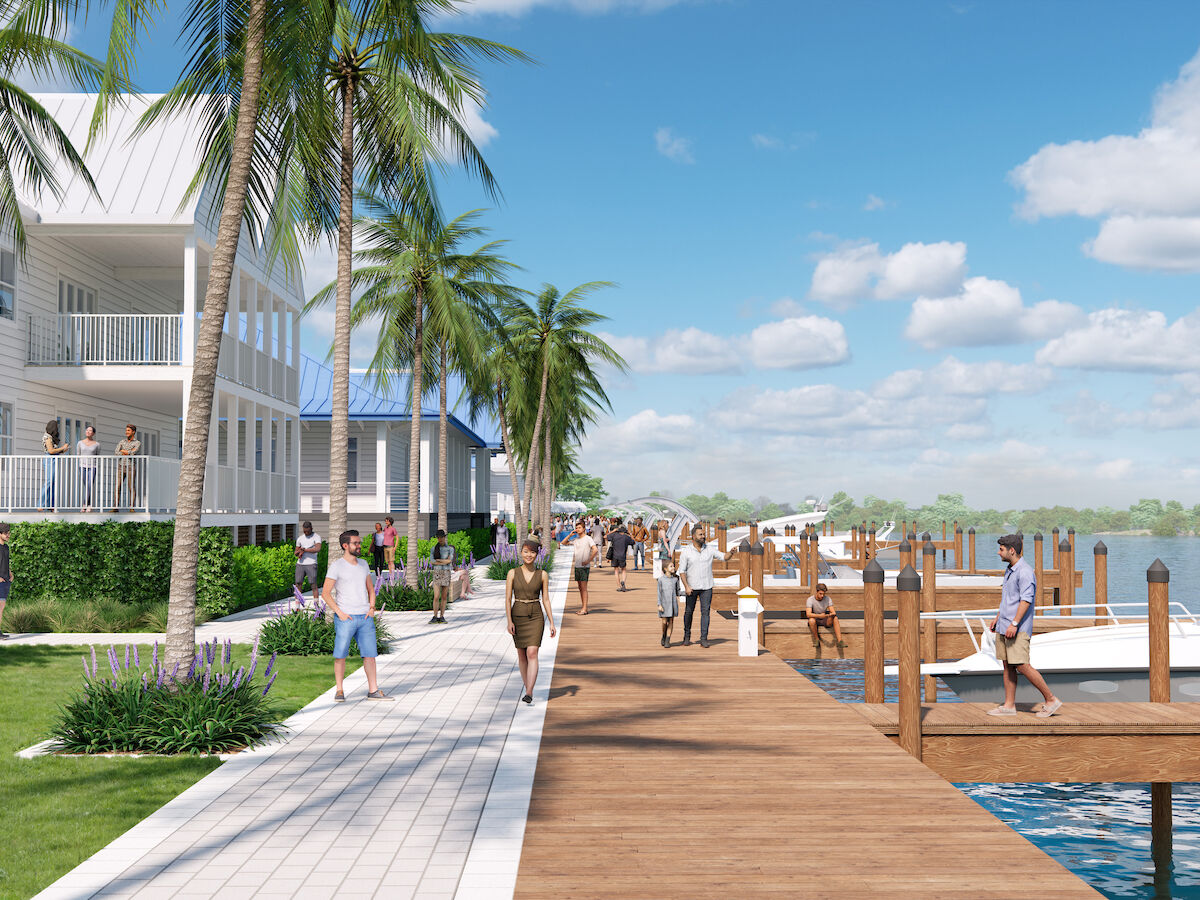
x=682, y=517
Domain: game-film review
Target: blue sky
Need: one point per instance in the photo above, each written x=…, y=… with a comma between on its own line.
x=888, y=248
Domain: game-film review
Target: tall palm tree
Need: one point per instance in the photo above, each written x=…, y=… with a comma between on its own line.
x=428, y=292
x=26, y=128
x=553, y=330
x=396, y=92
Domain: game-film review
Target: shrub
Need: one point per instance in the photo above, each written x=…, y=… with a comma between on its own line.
x=213, y=708
x=262, y=574
x=460, y=540
x=307, y=632
x=481, y=541
x=508, y=557
x=104, y=615
x=393, y=594
x=214, y=572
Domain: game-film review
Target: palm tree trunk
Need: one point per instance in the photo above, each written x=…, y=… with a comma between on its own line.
x=535, y=502
x=548, y=480
x=414, y=437
x=537, y=431
x=443, y=517
x=339, y=418
x=185, y=547
x=508, y=455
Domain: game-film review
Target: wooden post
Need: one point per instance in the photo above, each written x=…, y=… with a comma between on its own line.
x=769, y=561
x=757, y=560
x=743, y=558
x=904, y=529
x=908, y=584
x=1071, y=539
x=873, y=631
x=1039, y=558
x=722, y=537
x=1161, y=825
x=753, y=533
x=853, y=542
x=872, y=545
x=1157, y=587
x=971, y=549
x=1054, y=541
x=814, y=560
x=906, y=554
x=958, y=546
x=1100, y=581
x=1066, y=577
x=928, y=605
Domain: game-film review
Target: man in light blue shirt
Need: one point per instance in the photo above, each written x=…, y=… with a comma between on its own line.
x=696, y=576
x=1013, y=627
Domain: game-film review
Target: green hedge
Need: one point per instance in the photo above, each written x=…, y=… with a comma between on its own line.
x=129, y=562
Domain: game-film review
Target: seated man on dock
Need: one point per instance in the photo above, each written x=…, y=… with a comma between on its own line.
x=821, y=614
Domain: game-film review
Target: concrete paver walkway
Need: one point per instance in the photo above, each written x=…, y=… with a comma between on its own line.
x=424, y=797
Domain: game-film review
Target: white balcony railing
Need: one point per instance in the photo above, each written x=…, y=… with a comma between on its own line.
x=74, y=483
x=360, y=497
x=105, y=340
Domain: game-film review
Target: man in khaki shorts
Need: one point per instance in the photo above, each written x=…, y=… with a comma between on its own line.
x=1013, y=627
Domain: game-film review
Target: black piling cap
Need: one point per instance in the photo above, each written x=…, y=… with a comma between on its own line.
x=1054, y=530
x=971, y=530
x=1071, y=530
x=1100, y=549
x=911, y=536
x=722, y=527
x=908, y=580
x=905, y=547
x=958, y=529
x=813, y=538
x=872, y=532
x=928, y=549
x=744, y=546
x=1064, y=546
x=873, y=573
x=1037, y=536
x=757, y=549
x=1158, y=573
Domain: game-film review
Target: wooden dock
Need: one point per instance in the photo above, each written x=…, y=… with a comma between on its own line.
x=692, y=772
x=1084, y=742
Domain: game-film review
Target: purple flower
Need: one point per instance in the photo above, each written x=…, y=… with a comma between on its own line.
x=86, y=673
x=94, y=669
x=299, y=596
x=155, y=657
x=113, y=662
x=158, y=682
x=210, y=652
x=228, y=651
x=192, y=668
x=270, y=665
x=237, y=677
x=269, y=683
x=207, y=678
x=136, y=659
x=175, y=672
x=126, y=657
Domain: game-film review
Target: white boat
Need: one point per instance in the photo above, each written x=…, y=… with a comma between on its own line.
x=1086, y=664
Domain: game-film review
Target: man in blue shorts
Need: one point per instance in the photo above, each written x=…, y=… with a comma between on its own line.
x=350, y=593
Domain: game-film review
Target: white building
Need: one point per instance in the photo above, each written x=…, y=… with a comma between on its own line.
x=380, y=427
x=98, y=326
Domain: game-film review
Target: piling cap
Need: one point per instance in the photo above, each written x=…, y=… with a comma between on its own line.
x=1071, y=530
x=812, y=538
x=1037, y=536
x=1064, y=546
x=1100, y=549
x=928, y=549
x=1158, y=573
x=722, y=527
x=958, y=529
x=757, y=549
x=911, y=536
x=905, y=547
x=1054, y=530
x=971, y=530
x=872, y=532
x=927, y=536
x=744, y=546
x=908, y=580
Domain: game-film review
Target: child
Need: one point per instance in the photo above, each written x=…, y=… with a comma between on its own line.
x=669, y=590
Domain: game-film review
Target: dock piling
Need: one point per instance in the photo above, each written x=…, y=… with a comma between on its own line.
x=928, y=605
x=908, y=585
x=1161, y=826
x=971, y=555
x=873, y=632
x=1157, y=586
x=814, y=560
x=1066, y=577
x=1039, y=565
x=906, y=553
x=743, y=558
x=722, y=537
x=1100, y=581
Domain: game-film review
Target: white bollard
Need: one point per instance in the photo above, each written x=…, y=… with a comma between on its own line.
x=748, y=611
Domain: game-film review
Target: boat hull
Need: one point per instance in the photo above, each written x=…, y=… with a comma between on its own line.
x=1076, y=686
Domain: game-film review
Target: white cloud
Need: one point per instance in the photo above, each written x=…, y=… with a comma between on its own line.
x=1114, y=469
x=1124, y=340
x=986, y=311
x=874, y=202
x=859, y=271
x=786, y=307
x=954, y=378
x=766, y=142
x=804, y=342
x=645, y=432
x=692, y=350
x=1146, y=186
x=673, y=147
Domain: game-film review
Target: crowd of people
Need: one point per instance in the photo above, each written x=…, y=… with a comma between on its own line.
x=87, y=449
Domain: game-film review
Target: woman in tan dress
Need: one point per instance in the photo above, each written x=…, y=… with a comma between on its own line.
x=526, y=593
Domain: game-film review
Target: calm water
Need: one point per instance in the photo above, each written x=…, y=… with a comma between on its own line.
x=1101, y=832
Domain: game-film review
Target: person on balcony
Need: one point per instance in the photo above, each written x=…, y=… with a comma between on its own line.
x=87, y=449
x=126, y=473
x=49, y=466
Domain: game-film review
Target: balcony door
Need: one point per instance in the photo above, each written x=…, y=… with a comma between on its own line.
x=71, y=428
x=80, y=338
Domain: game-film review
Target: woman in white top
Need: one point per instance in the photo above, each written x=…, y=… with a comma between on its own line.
x=53, y=448
x=87, y=449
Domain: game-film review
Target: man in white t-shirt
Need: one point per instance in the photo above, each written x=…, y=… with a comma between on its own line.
x=350, y=593
x=308, y=545
x=586, y=552
x=821, y=614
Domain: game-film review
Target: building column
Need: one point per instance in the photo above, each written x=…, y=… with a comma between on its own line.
x=231, y=445
x=427, y=501
x=483, y=481
x=188, y=334
x=250, y=503
x=382, y=501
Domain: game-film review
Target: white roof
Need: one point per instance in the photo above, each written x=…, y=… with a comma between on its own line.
x=140, y=182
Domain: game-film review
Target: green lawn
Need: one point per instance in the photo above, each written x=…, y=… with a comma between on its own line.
x=57, y=811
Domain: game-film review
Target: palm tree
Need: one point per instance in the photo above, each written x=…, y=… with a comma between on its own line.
x=553, y=330
x=429, y=295
x=26, y=128
x=396, y=91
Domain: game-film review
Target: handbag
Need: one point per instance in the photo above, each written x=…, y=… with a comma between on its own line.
x=609, y=554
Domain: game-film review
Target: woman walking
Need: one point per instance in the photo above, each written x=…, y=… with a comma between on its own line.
x=526, y=594
x=377, y=549
x=87, y=449
x=49, y=471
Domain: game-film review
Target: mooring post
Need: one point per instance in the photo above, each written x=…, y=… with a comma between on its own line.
x=971, y=546
x=906, y=553
x=873, y=631
x=1071, y=539
x=1100, y=582
x=743, y=558
x=757, y=561
x=908, y=585
x=1161, y=827
x=814, y=560
x=753, y=533
x=1066, y=577
x=1157, y=587
x=722, y=537
x=1038, y=566
x=769, y=546
x=928, y=605
x=872, y=544
x=853, y=542
x=958, y=546
x=1054, y=548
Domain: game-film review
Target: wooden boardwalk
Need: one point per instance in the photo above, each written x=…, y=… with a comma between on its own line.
x=687, y=772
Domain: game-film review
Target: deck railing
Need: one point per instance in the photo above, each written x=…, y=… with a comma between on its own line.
x=360, y=497
x=76, y=483
x=105, y=340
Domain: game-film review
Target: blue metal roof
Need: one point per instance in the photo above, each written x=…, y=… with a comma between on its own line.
x=368, y=403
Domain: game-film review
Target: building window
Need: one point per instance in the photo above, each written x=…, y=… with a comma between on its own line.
x=352, y=461
x=74, y=298
x=72, y=427
x=149, y=441
x=6, y=429
x=8, y=283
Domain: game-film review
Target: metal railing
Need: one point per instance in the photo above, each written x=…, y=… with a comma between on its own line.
x=78, y=483
x=360, y=497
x=87, y=339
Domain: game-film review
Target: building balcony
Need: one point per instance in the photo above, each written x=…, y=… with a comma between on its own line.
x=363, y=497
x=105, y=340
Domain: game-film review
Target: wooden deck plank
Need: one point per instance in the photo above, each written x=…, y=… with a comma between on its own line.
x=1074, y=718
x=687, y=772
